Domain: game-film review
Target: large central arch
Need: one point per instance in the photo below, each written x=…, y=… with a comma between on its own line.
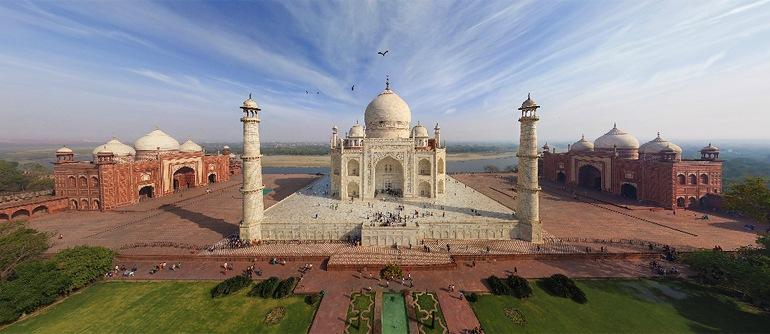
x=590, y=177
x=389, y=177
x=184, y=178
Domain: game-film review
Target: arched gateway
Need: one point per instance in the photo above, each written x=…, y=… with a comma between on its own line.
x=389, y=177
x=590, y=177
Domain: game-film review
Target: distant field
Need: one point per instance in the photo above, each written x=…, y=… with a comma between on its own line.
x=623, y=306
x=164, y=307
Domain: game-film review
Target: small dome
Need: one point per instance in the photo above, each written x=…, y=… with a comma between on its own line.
x=546, y=147
x=420, y=131
x=249, y=103
x=190, y=146
x=115, y=147
x=155, y=140
x=356, y=131
x=710, y=148
x=582, y=145
x=528, y=103
x=64, y=150
x=657, y=145
x=388, y=116
x=616, y=138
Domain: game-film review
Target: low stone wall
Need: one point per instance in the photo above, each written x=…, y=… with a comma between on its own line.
x=33, y=208
x=321, y=231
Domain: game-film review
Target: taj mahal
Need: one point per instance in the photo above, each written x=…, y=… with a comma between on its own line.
x=388, y=186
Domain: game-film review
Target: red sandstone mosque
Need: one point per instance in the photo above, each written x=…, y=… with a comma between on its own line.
x=118, y=175
x=654, y=172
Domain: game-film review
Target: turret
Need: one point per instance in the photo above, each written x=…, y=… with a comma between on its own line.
x=253, y=207
x=528, y=189
x=709, y=153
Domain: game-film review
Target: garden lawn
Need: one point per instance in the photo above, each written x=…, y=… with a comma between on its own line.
x=363, y=303
x=623, y=306
x=165, y=307
x=427, y=302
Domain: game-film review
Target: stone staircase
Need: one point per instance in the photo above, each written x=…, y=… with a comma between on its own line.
x=374, y=257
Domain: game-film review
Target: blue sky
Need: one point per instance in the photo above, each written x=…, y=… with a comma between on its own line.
x=694, y=70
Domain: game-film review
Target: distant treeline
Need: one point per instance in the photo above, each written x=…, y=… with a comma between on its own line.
x=27, y=177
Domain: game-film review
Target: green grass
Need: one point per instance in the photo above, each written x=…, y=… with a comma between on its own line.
x=624, y=306
x=363, y=303
x=426, y=302
x=165, y=307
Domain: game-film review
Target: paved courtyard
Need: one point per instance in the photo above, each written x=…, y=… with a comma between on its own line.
x=593, y=215
x=312, y=205
x=192, y=217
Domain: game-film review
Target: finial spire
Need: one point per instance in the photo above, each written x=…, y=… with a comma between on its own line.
x=529, y=96
x=615, y=125
x=658, y=134
x=249, y=96
x=387, y=81
x=582, y=136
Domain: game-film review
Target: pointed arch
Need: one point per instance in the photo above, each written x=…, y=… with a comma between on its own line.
x=423, y=167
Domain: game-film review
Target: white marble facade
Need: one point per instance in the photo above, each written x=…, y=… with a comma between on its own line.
x=388, y=156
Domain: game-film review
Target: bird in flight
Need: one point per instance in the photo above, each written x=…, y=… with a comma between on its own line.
x=382, y=53
x=352, y=88
x=318, y=92
x=306, y=92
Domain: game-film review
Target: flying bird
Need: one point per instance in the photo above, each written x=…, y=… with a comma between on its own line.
x=352, y=88
x=306, y=92
x=318, y=92
x=382, y=53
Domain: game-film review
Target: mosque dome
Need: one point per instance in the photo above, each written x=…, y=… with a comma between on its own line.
x=115, y=147
x=356, y=131
x=420, y=131
x=155, y=140
x=190, y=146
x=388, y=116
x=249, y=103
x=64, y=150
x=616, y=138
x=582, y=145
x=657, y=145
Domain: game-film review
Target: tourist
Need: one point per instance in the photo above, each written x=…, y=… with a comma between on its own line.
x=61, y=236
x=515, y=270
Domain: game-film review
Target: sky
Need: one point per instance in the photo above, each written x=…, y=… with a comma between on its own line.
x=75, y=71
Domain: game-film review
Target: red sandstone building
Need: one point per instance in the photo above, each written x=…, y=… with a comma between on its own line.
x=654, y=172
x=120, y=175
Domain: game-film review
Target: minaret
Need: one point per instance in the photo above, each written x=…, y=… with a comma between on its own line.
x=253, y=206
x=528, y=189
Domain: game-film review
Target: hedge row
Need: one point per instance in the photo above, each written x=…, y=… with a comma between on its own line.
x=264, y=289
x=563, y=286
x=274, y=287
x=512, y=286
x=37, y=283
x=230, y=285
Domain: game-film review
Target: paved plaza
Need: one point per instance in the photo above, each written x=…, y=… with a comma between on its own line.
x=313, y=205
x=194, y=217
x=596, y=216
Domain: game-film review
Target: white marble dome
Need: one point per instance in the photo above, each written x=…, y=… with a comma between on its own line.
x=529, y=102
x=249, y=103
x=155, y=140
x=657, y=145
x=582, y=145
x=388, y=116
x=420, y=131
x=616, y=138
x=190, y=146
x=64, y=150
x=356, y=131
x=116, y=147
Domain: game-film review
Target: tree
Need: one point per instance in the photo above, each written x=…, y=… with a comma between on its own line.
x=11, y=178
x=33, y=284
x=751, y=198
x=491, y=169
x=19, y=243
x=84, y=264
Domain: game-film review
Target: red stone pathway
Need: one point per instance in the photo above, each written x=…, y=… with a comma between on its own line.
x=338, y=285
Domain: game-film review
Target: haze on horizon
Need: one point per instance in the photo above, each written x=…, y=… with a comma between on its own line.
x=87, y=71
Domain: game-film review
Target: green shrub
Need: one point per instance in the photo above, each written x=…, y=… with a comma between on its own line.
x=473, y=297
x=563, y=286
x=264, y=289
x=230, y=285
x=519, y=286
x=285, y=288
x=498, y=287
x=312, y=299
x=33, y=284
x=391, y=271
x=84, y=264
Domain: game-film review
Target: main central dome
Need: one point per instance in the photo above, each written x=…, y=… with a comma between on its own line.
x=388, y=116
